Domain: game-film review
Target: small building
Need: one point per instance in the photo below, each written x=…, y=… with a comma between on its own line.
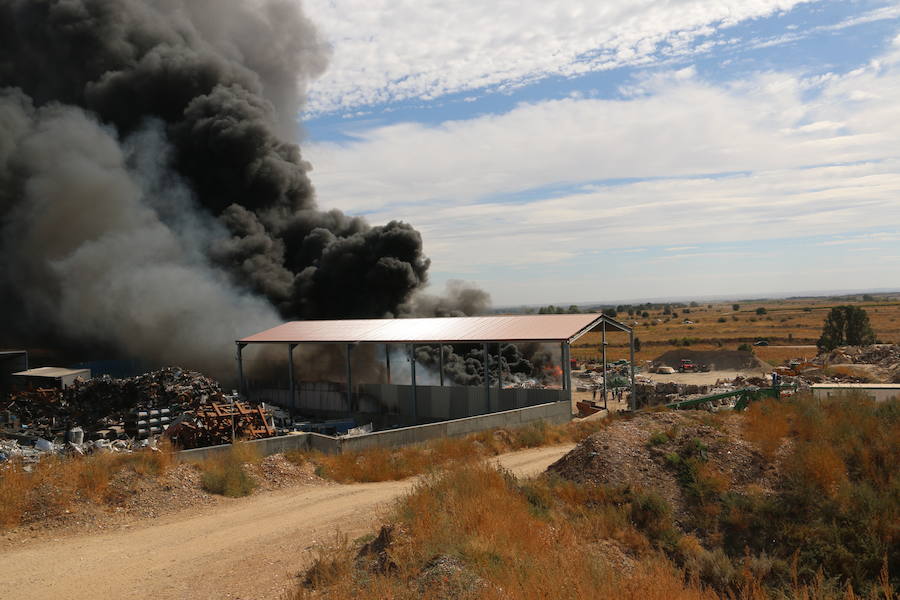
x=876, y=391
x=49, y=377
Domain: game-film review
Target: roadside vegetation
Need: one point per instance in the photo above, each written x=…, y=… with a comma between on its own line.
x=56, y=484
x=828, y=529
x=225, y=474
x=390, y=464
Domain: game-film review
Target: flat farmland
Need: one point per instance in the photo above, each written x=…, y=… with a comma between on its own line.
x=791, y=327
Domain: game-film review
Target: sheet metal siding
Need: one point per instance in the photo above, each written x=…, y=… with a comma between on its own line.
x=449, y=329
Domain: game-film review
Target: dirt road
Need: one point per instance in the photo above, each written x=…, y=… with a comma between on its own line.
x=249, y=548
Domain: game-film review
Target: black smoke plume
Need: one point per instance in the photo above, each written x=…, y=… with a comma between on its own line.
x=464, y=363
x=149, y=202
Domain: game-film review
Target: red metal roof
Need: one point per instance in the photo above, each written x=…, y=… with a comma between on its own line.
x=449, y=329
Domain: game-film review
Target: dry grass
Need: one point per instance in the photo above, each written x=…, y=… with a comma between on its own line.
x=500, y=545
x=767, y=424
x=788, y=323
x=57, y=483
x=827, y=529
x=384, y=464
x=545, y=538
x=225, y=474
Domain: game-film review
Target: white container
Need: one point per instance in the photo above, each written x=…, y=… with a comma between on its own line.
x=76, y=435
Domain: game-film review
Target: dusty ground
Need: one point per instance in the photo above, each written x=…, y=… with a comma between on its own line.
x=709, y=378
x=244, y=548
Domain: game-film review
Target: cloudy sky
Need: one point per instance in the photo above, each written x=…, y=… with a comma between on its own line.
x=577, y=151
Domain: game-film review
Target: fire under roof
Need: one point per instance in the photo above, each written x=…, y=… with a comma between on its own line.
x=518, y=328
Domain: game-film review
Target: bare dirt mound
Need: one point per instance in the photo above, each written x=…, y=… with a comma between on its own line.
x=718, y=360
x=637, y=452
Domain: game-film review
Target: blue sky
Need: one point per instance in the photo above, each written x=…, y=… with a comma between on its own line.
x=584, y=151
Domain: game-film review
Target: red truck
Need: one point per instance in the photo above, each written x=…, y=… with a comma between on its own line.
x=687, y=365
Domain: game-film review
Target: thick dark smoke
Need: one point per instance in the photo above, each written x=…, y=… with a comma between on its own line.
x=464, y=363
x=148, y=201
x=459, y=299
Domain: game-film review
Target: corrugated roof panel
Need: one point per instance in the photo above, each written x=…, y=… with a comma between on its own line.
x=448, y=329
x=52, y=372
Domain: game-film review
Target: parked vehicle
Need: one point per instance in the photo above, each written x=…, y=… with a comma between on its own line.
x=687, y=365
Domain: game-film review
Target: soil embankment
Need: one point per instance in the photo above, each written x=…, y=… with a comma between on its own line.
x=718, y=360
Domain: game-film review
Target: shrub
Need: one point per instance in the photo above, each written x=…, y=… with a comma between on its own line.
x=767, y=423
x=658, y=438
x=224, y=474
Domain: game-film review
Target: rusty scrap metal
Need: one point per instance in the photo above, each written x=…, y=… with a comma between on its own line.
x=145, y=404
x=220, y=423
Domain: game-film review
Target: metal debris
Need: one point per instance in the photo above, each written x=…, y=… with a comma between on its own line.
x=138, y=408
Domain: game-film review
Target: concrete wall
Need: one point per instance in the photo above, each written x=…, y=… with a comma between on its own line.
x=433, y=403
x=878, y=394
x=267, y=446
x=555, y=413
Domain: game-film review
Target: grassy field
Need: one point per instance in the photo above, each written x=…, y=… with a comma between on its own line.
x=785, y=323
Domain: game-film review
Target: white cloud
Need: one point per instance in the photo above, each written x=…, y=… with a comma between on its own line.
x=802, y=157
x=387, y=51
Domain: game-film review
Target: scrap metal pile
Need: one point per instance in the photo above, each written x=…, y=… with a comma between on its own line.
x=137, y=407
x=219, y=422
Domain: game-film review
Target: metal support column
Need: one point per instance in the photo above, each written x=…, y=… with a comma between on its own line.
x=603, y=329
x=412, y=380
x=441, y=363
x=292, y=387
x=349, y=378
x=632, y=401
x=487, y=379
x=499, y=371
x=387, y=361
x=566, y=371
x=240, y=366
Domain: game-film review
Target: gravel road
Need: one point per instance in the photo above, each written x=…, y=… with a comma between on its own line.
x=249, y=548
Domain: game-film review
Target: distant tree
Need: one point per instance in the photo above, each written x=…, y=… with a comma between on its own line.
x=694, y=304
x=709, y=306
x=868, y=298
x=846, y=326
x=645, y=315
x=807, y=309
x=610, y=312
x=761, y=311
x=674, y=315
x=574, y=310
x=735, y=307
x=745, y=348
x=722, y=319
x=667, y=309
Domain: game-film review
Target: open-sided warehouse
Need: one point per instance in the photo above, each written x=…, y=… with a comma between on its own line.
x=414, y=403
